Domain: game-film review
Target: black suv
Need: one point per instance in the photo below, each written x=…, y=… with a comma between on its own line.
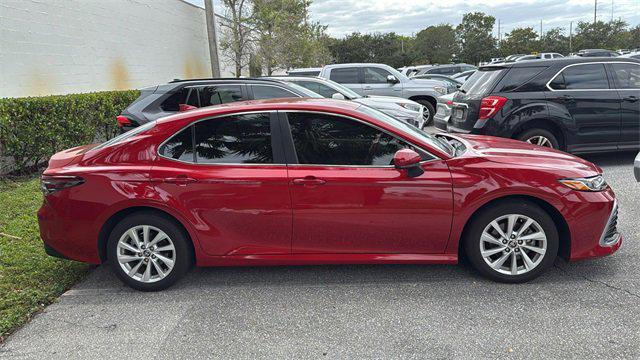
x=573, y=104
x=182, y=95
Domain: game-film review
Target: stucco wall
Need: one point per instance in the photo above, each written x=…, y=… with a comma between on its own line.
x=74, y=46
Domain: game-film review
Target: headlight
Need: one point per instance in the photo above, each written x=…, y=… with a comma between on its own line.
x=594, y=183
x=440, y=89
x=410, y=106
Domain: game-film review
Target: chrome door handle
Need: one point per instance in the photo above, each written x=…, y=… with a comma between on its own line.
x=631, y=98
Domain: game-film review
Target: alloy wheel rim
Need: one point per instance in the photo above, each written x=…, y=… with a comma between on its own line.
x=146, y=253
x=540, y=141
x=513, y=244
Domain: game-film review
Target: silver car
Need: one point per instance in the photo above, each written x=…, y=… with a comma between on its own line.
x=380, y=79
x=402, y=109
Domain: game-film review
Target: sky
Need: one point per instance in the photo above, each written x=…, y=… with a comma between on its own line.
x=410, y=16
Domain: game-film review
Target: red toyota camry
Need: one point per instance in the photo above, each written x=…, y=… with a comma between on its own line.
x=319, y=181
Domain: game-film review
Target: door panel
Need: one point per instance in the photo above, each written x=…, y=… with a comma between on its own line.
x=627, y=81
x=375, y=83
x=228, y=175
x=583, y=90
x=371, y=210
x=347, y=197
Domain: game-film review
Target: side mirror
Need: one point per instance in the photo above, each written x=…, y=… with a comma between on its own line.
x=185, y=107
x=392, y=79
x=409, y=160
x=458, y=86
x=338, y=96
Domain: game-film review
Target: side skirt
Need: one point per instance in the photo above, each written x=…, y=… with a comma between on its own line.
x=325, y=259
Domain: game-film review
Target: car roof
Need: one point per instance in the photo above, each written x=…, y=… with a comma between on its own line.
x=559, y=61
x=289, y=78
x=217, y=80
x=308, y=104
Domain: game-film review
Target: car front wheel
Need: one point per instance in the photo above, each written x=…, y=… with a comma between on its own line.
x=148, y=251
x=513, y=241
x=428, y=112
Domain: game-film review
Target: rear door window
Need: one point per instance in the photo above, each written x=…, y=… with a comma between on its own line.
x=271, y=92
x=220, y=94
x=345, y=75
x=626, y=75
x=581, y=77
x=236, y=139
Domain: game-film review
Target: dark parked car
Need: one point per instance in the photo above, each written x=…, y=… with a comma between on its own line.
x=182, y=95
x=573, y=104
x=448, y=69
x=597, y=53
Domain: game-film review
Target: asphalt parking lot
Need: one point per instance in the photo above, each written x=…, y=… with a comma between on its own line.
x=589, y=309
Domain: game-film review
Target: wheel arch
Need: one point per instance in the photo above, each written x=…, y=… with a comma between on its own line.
x=432, y=100
x=564, y=234
x=547, y=124
x=114, y=219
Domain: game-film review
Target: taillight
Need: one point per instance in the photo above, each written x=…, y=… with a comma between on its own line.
x=52, y=183
x=490, y=105
x=123, y=121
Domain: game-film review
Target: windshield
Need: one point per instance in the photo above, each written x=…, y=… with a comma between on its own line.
x=343, y=90
x=409, y=129
x=128, y=134
x=305, y=91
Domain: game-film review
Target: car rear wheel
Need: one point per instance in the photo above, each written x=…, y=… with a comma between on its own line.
x=540, y=137
x=512, y=242
x=148, y=251
x=428, y=112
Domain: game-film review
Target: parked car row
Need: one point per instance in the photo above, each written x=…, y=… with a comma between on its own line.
x=572, y=104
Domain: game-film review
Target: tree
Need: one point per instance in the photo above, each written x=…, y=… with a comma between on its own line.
x=474, y=37
x=285, y=36
x=436, y=44
x=237, y=41
x=610, y=35
x=554, y=40
x=520, y=41
x=387, y=48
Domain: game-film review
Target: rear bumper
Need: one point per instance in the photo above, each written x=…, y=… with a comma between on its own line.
x=65, y=237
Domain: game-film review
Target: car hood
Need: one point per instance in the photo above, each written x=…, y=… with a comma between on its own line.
x=508, y=151
x=424, y=83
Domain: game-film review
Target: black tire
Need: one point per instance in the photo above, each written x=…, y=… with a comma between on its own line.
x=183, y=253
x=471, y=240
x=538, y=132
x=430, y=108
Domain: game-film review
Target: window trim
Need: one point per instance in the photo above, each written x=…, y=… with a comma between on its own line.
x=193, y=123
x=289, y=146
x=606, y=68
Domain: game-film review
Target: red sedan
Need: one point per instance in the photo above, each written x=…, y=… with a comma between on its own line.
x=319, y=181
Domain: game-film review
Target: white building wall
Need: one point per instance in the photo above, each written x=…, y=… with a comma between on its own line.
x=75, y=46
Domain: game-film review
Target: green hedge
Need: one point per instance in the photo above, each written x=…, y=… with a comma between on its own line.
x=34, y=128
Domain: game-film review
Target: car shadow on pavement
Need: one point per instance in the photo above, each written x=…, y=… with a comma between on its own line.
x=611, y=158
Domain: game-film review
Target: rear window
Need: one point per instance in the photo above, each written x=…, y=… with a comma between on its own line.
x=127, y=135
x=482, y=81
x=517, y=77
